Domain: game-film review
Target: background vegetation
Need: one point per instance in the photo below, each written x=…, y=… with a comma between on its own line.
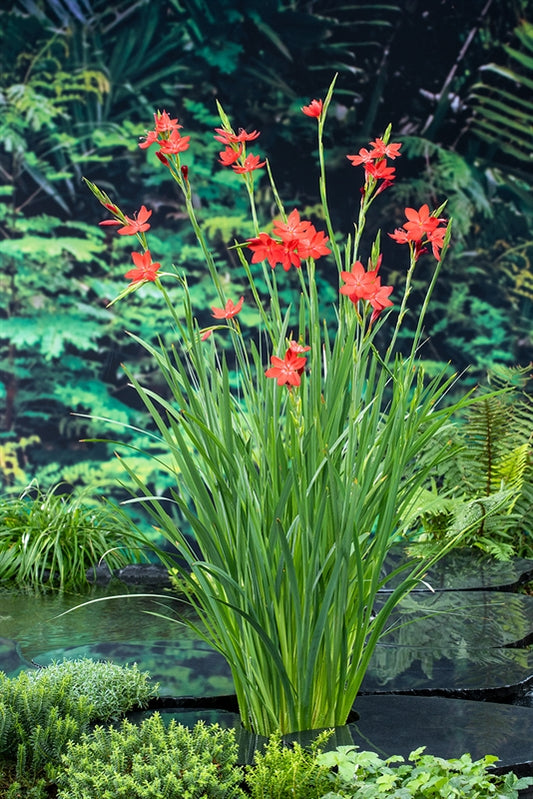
x=79, y=82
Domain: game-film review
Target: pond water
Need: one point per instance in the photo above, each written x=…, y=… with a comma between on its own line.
x=118, y=623
x=466, y=635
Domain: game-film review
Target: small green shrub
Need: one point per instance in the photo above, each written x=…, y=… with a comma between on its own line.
x=150, y=761
x=40, y=712
x=18, y=791
x=52, y=538
x=282, y=772
x=110, y=689
x=364, y=775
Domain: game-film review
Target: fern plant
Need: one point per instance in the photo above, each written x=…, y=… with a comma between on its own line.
x=487, y=484
x=501, y=99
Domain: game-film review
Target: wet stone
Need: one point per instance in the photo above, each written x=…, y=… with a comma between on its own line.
x=395, y=725
x=446, y=727
x=468, y=644
x=465, y=569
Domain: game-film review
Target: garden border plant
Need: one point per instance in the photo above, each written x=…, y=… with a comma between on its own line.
x=52, y=538
x=295, y=479
x=149, y=760
x=50, y=746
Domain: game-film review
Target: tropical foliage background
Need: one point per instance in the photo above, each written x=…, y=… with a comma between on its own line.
x=79, y=82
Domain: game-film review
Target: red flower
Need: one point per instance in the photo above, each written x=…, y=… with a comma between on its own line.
x=400, y=236
x=380, y=300
x=299, y=349
x=382, y=150
x=229, y=311
x=313, y=245
x=144, y=268
x=314, y=109
x=365, y=157
x=436, y=238
x=229, y=156
x=299, y=239
x=292, y=229
x=360, y=284
x=265, y=248
x=288, y=370
x=250, y=163
x=380, y=171
x=176, y=143
x=363, y=285
x=229, y=137
x=151, y=137
x=419, y=222
x=421, y=227
x=136, y=225
x=163, y=123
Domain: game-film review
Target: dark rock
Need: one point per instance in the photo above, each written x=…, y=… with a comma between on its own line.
x=148, y=574
x=100, y=574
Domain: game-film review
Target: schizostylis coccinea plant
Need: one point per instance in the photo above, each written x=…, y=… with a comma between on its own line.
x=296, y=467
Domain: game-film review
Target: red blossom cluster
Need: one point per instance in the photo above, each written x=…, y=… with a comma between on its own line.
x=166, y=134
x=296, y=240
x=420, y=229
x=374, y=161
x=234, y=153
x=366, y=285
x=289, y=369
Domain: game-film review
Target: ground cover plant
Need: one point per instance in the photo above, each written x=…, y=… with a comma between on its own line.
x=54, y=742
x=365, y=775
x=52, y=538
x=42, y=711
x=296, y=459
x=151, y=760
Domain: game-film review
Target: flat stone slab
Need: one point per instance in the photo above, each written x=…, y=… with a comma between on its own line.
x=473, y=643
x=11, y=660
x=492, y=674
x=466, y=569
x=446, y=727
x=452, y=621
x=396, y=725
